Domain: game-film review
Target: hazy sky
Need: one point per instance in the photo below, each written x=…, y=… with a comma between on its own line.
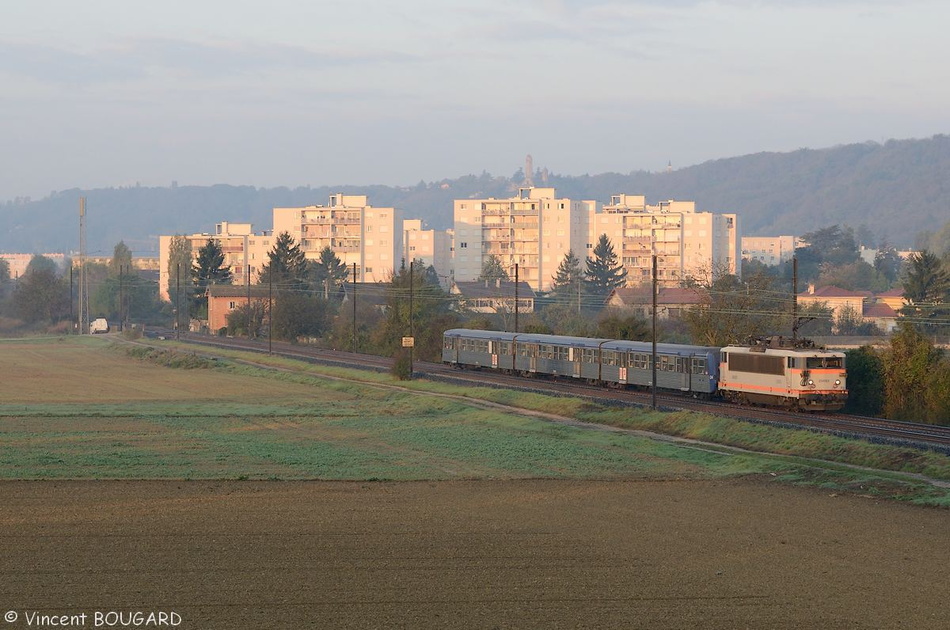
x=293, y=92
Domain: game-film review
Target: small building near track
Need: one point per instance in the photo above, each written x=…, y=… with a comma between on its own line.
x=224, y=298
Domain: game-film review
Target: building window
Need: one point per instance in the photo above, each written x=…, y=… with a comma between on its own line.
x=463, y=245
x=232, y=304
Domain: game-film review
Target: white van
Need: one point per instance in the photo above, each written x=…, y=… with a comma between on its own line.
x=100, y=325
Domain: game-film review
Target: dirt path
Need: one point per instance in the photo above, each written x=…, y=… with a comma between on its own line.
x=516, y=554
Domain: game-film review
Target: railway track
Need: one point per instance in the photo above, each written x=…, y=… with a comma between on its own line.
x=921, y=436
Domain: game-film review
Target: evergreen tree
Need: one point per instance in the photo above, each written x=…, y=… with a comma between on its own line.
x=927, y=288
x=604, y=273
x=206, y=271
x=493, y=270
x=327, y=272
x=286, y=265
x=568, y=279
x=208, y=268
x=926, y=280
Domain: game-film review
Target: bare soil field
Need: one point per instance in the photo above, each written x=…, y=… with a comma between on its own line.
x=739, y=553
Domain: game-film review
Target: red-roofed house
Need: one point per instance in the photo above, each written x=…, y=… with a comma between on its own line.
x=881, y=315
x=893, y=298
x=670, y=301
x=837, y=299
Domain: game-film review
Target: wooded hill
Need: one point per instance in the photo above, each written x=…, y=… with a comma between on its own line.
x=896, y=190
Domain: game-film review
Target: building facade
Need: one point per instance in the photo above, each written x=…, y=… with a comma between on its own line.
x=371, y=238
x=432, y=247
x=687, y=243
x=534, y=231
x=245, y=253
x=769, y=250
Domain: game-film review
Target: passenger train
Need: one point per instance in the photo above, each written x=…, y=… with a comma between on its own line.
x=768, y=372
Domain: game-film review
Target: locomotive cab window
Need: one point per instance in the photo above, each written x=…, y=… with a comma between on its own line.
x=814, y=363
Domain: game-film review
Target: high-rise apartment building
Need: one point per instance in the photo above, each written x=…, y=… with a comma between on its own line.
x=686, y=242
x=769, y=250
x=244, y=253
x=432, y=247
x=533, y=230
x=372, y=238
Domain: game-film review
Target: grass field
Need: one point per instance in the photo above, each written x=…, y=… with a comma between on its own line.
x=82, y=409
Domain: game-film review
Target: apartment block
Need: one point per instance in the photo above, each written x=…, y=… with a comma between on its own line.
x=432, y=247
x=244, y=252
x=533, y=230
x=769, y=250
x=686, y=242
x=371, y=238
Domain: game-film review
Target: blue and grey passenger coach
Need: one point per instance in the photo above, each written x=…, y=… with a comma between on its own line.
x=683, y=368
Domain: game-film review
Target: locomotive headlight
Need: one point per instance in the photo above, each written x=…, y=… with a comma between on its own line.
x=837, y=383
x=811, y=382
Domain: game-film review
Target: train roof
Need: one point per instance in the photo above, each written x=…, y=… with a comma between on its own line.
x=581, y=342
x=665, y=348
x=784, y=352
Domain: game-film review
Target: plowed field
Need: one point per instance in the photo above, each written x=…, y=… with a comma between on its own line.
x=744, y=553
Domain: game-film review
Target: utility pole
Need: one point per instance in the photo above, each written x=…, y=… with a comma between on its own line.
x=270, y=314
x=353, y=297
x=411, y=274
x=795, y=301
x=178, y=301
x=247, y=284
x=70, y=292
x=578, y=294
x=516, y=298
x=653, y=360
x=121, y=301
x=83, y=285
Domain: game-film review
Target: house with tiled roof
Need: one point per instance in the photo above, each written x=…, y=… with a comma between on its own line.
x=881, y=315
x=671, y=302
x=837, y=299
x=893, y=298
x=494, y=296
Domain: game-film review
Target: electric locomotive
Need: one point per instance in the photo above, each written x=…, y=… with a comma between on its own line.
x=777, y=371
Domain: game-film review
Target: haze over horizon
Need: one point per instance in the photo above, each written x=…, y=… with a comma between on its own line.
x=109, y=93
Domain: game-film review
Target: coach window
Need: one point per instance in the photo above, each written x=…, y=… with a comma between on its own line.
x=699, y=366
